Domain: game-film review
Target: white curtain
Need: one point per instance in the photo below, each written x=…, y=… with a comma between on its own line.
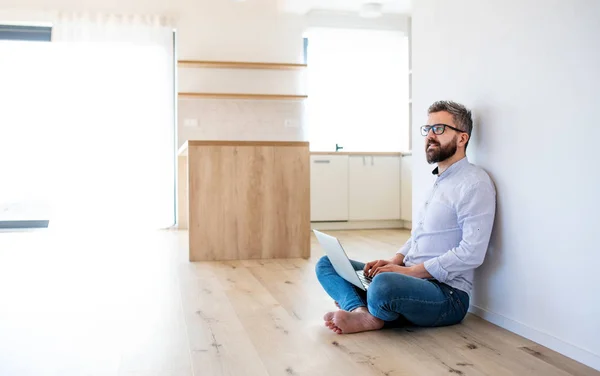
x=102, y=115
x=125, y=29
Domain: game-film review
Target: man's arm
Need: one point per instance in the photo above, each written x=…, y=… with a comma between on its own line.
x=419, y=271
x=398, y=258
x=476, y=214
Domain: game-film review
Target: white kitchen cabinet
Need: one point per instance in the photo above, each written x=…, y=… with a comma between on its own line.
x=373, y=187
x=329, y=187
x=406, y=188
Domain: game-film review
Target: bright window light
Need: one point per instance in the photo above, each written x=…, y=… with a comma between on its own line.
x=87, y=134
x=358, y=90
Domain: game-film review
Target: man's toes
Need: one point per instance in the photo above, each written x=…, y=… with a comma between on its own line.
x=328, y=316
x=334, y=328
x=331, y=325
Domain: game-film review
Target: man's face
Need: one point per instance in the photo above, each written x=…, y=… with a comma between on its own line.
x=438, y=148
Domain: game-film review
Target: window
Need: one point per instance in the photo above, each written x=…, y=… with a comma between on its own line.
x=26, y=33
x=17, y=213
x=87, y=132
x=358, y=90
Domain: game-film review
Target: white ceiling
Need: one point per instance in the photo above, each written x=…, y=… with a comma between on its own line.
x=305, y=6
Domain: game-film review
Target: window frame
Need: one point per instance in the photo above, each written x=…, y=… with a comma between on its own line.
x=23, y=33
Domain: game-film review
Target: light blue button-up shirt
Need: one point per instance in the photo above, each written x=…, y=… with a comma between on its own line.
x=452, y=230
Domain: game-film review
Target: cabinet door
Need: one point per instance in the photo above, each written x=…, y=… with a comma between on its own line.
x=374, y=188
x=406, y=188
x=329, y=188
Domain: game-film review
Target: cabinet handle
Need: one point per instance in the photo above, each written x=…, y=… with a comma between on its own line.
x=322, y=161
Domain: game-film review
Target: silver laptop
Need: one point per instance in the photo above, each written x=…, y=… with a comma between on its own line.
x=340, y=261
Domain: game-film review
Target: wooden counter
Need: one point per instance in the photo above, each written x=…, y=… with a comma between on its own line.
x=245, y=199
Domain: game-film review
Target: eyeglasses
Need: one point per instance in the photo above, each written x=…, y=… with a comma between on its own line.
x=438, y=129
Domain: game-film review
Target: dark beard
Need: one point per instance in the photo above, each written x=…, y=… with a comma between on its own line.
x=442, y=152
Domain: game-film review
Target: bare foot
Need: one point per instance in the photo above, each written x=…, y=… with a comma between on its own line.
x=359, y=320
x=329, y=322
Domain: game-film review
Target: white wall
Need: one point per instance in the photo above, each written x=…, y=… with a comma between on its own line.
x=530, y=71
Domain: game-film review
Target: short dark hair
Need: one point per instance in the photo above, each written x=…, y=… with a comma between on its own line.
x=460, y=114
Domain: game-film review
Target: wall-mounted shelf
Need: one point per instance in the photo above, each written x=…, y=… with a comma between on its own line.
x=237, y=65
x=243, y=96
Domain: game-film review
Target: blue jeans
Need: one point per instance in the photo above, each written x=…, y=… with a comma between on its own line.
x=396, y=298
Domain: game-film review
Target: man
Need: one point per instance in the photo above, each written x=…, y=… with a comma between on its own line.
x=429, y=280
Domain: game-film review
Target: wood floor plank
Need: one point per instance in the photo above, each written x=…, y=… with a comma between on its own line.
x=289, y=292
x=483, y=331
x=295, y=287
x=443, y=352
x=219, y=343
x=286, y=345
x=391, y=352
x=506, y=345
x=559, y=361
x=488, y=356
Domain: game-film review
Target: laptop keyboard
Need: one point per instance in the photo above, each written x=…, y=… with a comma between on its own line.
x=365, y=280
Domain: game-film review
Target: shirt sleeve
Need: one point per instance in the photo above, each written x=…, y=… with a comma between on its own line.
x=475, y=212
x=406, y=247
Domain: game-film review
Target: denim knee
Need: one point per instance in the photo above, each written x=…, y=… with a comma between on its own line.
x=382, y=289
x=323, y=264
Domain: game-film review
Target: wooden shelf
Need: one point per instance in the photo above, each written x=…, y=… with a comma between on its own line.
x=243, y=96
x=237, y=65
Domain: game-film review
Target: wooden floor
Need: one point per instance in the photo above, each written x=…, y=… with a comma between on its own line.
x=110, y=303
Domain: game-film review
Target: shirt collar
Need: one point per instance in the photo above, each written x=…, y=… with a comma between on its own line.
x=456, y=166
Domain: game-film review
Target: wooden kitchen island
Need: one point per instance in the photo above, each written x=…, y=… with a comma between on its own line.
x=245, y=199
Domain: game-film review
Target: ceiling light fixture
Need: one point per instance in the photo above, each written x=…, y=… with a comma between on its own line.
x=371, y=10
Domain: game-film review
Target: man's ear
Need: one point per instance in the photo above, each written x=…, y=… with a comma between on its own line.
x=464, y=138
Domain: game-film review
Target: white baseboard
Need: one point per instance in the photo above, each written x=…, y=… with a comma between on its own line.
x=361, y=225
x=544, y=339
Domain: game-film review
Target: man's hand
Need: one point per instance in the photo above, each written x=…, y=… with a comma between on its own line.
x=417, y=271
x=373, y=265
x=398, y=259
x=392, y=268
